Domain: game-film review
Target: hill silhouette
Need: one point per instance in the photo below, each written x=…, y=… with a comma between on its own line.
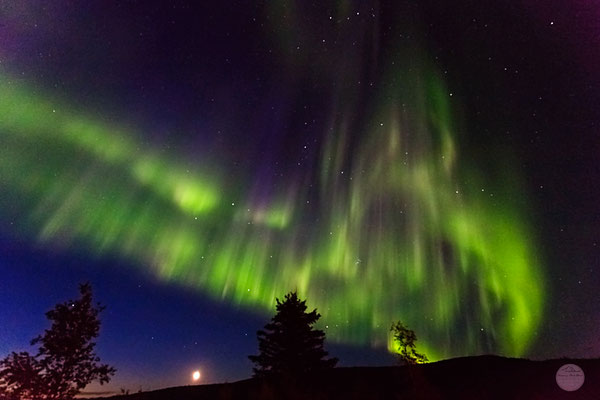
x=480, y=377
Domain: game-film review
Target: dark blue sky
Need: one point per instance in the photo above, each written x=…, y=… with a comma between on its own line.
x=155, y=334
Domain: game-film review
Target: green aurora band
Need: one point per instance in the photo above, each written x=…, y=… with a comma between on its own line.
x=404, y=230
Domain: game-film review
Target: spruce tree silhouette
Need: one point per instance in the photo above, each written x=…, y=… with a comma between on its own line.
x=289, y=345
x=66, y=360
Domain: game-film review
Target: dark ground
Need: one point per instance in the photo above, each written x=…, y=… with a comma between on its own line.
x=482, y=377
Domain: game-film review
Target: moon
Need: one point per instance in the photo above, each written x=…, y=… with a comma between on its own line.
x=196, y=375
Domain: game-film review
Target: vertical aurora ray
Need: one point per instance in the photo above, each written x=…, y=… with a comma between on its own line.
x=398, y=226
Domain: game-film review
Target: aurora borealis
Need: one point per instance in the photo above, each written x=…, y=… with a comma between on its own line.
x=336, y=157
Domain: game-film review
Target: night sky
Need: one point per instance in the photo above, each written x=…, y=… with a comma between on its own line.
x=434, y=163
